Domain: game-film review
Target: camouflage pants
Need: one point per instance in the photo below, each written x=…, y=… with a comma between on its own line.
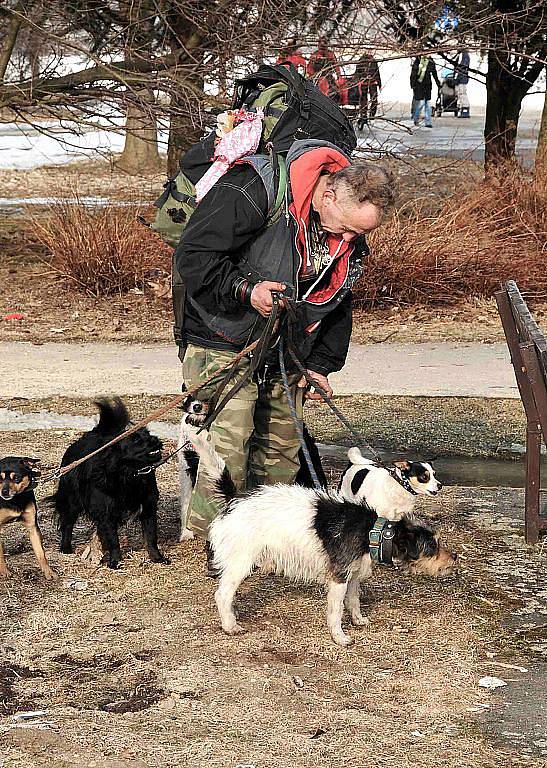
x=254, y=433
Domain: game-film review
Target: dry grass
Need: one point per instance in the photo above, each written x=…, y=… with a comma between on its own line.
x=103, y=250
x=470, y=245
x=134, y=671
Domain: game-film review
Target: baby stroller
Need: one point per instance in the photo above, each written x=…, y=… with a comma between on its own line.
x=447, y=100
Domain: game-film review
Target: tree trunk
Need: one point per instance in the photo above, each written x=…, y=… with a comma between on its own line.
x=541, y=149
x=504, y=94
x=184, y=128
x=140, y=153
x=9, y=41
x=182, y=133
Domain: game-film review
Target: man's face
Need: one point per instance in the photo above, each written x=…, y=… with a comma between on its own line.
x=349, y=221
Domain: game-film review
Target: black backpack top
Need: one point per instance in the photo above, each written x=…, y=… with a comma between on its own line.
x=294, y=108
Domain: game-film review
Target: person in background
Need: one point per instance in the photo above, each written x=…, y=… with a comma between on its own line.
x=367, y=76
x=421, y=76
x=461, y=79
x=292, y=54
x=324, y=68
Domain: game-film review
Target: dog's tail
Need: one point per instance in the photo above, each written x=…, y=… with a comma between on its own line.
x=356, y=457
x=222, y=485
x=114, y=416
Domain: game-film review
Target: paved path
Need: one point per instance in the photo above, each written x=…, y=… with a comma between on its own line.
x=87, y=370
x=450, y=136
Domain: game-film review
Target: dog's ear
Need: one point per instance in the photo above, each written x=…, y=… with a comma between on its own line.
x=428, y=543
x=30, y=462
x=402, y=464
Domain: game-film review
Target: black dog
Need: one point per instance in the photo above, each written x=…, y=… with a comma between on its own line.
x=107, y=488
x=17, y=502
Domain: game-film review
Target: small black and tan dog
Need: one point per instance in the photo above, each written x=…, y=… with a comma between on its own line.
x=108, y=488
x=17, y=502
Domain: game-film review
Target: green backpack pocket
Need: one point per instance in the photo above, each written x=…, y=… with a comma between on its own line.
x=175, y=206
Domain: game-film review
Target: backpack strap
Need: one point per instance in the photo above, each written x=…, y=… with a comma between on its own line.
x=281, y=186
x=170, y=190
x=265, y=167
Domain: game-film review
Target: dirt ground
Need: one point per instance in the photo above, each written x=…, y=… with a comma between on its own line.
x=51, y=310
x=131, y=669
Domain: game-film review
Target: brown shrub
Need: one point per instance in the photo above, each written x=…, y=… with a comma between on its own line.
x=103, y=250
x=476, y=241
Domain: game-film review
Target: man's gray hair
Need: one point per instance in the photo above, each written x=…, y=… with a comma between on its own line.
x=364, y=182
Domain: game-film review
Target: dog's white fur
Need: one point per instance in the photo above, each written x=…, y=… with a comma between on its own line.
x=275, y=524
x=380, y=491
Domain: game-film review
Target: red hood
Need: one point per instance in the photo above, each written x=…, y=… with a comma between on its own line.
x=304, y=174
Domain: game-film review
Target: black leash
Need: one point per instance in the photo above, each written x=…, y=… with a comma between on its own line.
x=296, y=419
x=393, y=471
x=152, y=467
x=257, y=357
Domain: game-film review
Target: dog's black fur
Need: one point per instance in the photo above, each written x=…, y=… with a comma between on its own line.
x=107, y=488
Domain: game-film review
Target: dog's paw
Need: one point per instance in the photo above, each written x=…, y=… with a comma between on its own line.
x=360, y=621
x=234, y=629
x=50, y=575
x=161, y=559
x=186, y=535
x=343, y=640
x=4, y=573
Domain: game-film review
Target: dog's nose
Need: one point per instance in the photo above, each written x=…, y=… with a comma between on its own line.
x=439, y=485
x=454, y=556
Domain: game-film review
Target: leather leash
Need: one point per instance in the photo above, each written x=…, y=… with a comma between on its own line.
x=60, y=471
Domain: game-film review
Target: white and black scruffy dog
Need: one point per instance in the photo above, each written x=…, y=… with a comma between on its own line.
x=309, y=535
x=363, y=480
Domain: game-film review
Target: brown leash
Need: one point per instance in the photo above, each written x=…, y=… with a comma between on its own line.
x=60, y=471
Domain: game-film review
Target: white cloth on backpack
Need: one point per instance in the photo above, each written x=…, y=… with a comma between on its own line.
x=241, y=141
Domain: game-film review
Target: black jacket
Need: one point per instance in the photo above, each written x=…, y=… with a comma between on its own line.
x=422, y=90
x=228, y=217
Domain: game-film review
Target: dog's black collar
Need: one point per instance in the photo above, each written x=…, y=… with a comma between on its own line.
x=381, y=541
x=403, y=481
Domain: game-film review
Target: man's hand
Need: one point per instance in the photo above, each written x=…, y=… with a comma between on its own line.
x=261, y=297
x=321, y=380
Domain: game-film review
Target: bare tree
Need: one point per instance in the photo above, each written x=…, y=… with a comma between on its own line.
x=176, y=60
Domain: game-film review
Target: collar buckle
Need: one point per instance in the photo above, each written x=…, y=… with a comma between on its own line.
x=381, y=541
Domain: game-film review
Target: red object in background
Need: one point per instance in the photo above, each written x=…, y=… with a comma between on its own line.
x=296, y=59
x=14, y=316
x=343, y=86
